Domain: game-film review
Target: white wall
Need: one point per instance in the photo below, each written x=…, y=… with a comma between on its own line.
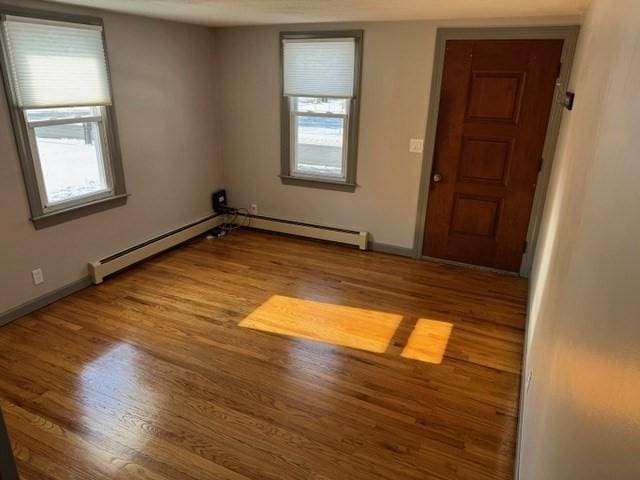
x=397, y=68
x=164, y=88
x=582, y=414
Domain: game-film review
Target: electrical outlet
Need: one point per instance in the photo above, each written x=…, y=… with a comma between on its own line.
x=416, y=145
x=254, y=209
x=38, y=278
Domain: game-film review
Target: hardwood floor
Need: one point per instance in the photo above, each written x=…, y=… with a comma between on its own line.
x=150, y=376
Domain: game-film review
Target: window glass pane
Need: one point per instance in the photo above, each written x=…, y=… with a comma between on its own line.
x=320, y=105
x=34, y=115
x=319, y=144
x=71, y=160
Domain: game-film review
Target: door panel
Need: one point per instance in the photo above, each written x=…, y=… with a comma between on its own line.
x=494, y=108
x=485, y=160
x=495, y=96
x=474, y=215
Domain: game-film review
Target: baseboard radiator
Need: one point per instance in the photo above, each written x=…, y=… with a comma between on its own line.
x=114, y=263
x=348, y=237
x=100, y=269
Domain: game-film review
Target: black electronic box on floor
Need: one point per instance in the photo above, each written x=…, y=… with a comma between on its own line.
x=219, y=201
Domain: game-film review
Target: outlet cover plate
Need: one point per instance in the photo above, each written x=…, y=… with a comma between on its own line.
x=38, y=278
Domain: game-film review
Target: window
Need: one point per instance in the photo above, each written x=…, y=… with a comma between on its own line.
x=320, y=80
x=57, y=83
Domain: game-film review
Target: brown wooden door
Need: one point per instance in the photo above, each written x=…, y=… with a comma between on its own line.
x=494, y=108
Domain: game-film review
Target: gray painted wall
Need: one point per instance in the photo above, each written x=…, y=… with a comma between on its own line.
x=581, y=415
x=396, y=77
x=164, y=87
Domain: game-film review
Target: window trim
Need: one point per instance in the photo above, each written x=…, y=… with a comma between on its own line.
x=40, y=216
x=287, y=175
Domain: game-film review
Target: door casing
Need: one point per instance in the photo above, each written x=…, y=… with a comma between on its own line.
x=568, y=33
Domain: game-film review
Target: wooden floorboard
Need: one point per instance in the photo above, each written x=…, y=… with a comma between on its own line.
x=150, y=376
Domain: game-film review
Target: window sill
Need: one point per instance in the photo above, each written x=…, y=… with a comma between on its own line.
x=54, y=218
x=326, y=184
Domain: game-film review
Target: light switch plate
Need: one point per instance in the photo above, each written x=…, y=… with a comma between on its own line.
x=416, y=145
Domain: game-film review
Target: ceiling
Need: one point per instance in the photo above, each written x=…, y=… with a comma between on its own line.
x=253, y=12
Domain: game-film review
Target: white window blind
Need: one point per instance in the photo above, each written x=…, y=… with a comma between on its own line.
x=319, y=67
x=56, y=64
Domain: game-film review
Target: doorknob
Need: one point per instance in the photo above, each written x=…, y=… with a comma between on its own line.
x=437, y=177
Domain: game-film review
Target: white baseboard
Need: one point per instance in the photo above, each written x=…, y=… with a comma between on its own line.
x=318, y=232
x=101, y=268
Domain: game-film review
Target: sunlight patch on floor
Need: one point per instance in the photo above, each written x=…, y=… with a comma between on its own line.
x=369, y=330
x=428, y=341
